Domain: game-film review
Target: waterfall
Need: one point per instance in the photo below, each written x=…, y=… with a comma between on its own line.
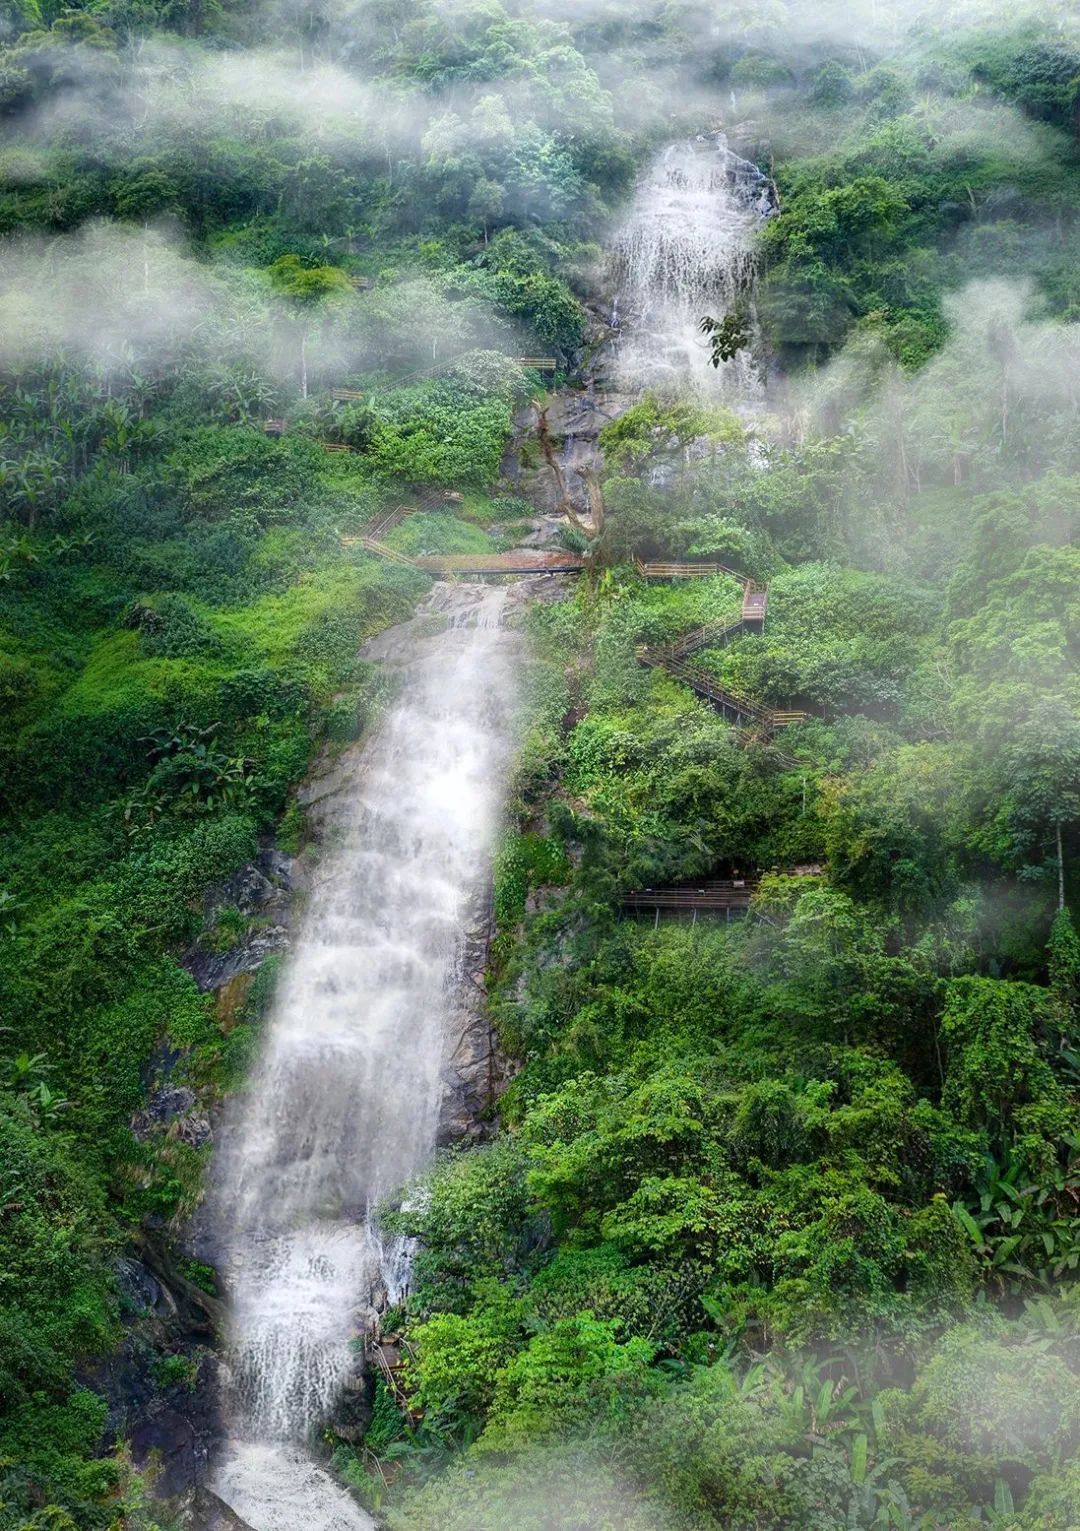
x=686, y=250
x=343, y=1106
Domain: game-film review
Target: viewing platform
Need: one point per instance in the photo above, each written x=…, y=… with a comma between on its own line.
x=726, y=895
x=656, y=570
x=722, y=896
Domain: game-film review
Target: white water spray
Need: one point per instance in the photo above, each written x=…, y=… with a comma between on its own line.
x=684, y=251
x=343, y=1107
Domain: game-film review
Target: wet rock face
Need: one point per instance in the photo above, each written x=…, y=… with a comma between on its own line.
x=213, y=970
x=162, y=1387
x=575, y=418
x=174, y=1110
x=255, y=887
x=261, y=891
x=475, y=1070
x=474, y=1073
x=209, y=1513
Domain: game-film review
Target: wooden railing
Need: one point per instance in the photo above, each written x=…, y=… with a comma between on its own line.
x=735, y=708
x=730, y=893
x=655, y=570
x=388, y=520
x=714, y=635
x=390, y=554
x=714, y=896
x=739, y=710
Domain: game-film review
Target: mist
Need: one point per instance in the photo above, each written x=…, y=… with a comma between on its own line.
x=370, y=1163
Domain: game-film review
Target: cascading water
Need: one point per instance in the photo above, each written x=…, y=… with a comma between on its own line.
x=686, y=250
x=343, y=1107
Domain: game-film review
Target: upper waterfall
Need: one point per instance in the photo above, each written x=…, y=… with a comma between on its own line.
x=685, y=250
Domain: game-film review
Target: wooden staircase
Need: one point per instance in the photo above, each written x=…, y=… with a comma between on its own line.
x=736, y=709
x=739, y=710
x=713, y=635
x=673, y=657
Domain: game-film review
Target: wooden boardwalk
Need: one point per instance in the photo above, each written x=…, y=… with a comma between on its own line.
x=475, y=564
x=726, y=896
x=704, y=570
x=503, y=563
x=713, y=897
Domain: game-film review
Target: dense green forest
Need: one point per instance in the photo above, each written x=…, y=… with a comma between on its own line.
x=778, y=1223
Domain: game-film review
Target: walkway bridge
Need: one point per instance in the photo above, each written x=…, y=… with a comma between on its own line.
x=446, y=566
x=726, y=896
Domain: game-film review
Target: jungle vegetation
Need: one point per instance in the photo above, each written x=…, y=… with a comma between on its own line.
x=778, y=1224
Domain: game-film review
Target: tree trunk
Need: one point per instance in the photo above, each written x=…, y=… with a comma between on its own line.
x=1061, y=868
x=303, y=365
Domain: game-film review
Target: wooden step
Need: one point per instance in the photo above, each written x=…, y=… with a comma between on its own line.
x=755, y=604
x=712, y=635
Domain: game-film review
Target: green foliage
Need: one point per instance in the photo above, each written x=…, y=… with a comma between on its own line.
x=525, y=862
x=997, y=1078
x=1026, y=1232
x=655, y=426
x=430, y=433
x=576, y=1377
x=724, y=1263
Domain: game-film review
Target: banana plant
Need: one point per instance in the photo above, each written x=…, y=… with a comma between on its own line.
x=1026, y=1233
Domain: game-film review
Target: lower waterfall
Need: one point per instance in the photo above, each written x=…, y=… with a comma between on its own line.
x=343, y=1107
